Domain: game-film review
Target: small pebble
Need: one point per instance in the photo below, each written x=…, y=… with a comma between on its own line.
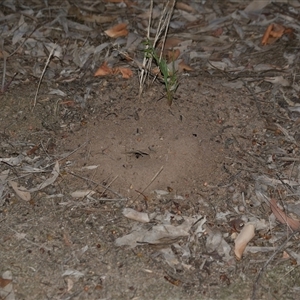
x=231, y=189
x=241, y=208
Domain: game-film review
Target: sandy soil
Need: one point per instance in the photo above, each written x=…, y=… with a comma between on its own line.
x=199, y=157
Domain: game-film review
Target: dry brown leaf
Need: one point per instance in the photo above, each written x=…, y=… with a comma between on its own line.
x=185, y=7
x=245, y=236
x=126, y=73
x=172, y=55
x=285, y=255
x=33, y=150
x=282, y=217
x=104, y=70
x=272, y=34
x=266, y=35
x=21, y=191
x=171, y=43
x=275, y=32
x=4, y=282
x=70, y=284
x=155, y=71
x=67, y=239
x=6, y=286
x=182, y=66
x=218, y=32
x=117, y=30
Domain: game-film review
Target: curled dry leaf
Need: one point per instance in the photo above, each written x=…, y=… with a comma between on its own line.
x=170, y=43
x=117, y=30
x=182, y=66
x=185, y=7
x=155, y=71
x=104, y=70
x=282, y=217
x=6, y=286
x=245, y=236
x=279, y=80
x=218, y=32
x=172, y=55
x=135, y=215
x=49, y=181
x=21, y=191
x=168, y=48
x=126, y=73
x=82, y=193
x=285, y=255
x=70, y=284
x=4, y=282
x=275, y=32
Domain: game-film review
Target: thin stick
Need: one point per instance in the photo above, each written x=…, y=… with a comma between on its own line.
x=166, y=25
x=106, y=199
x=151, y=181
x=108, y=185
x=147, y=61
x=97, y=184
x=163, y=27
x=4, y=74
x=4, y=66
x=43, y=73
x=72, y=152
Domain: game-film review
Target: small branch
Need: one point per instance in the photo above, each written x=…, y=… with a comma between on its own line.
x=4, y=66
x=146, y=65
x=98, y=184
x=42, y=75
x=154, y=177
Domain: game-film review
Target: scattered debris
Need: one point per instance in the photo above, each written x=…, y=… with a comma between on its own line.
x=252, y=211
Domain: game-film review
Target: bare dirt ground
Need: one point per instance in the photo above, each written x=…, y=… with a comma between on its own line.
x=218, y=155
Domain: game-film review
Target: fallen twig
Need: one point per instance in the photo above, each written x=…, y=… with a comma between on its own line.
x=106, y=199
x=98, y=184
x=42, y=75
x=151, y=181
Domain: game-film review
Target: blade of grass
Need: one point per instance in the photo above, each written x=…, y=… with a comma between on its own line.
x=42, y=75
x=146, y=61
x=150, y=54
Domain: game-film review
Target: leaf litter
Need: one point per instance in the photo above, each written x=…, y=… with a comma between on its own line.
x=103, y=40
